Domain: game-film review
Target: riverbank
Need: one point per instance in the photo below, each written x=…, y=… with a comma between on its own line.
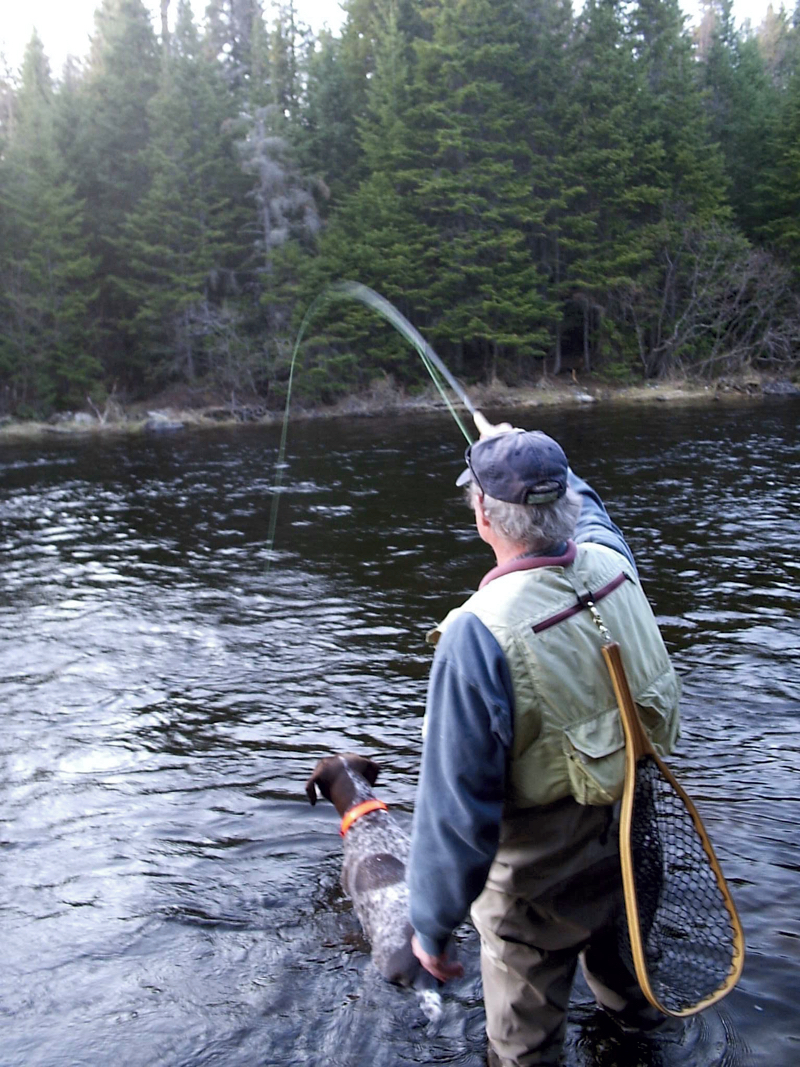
x=175, y=411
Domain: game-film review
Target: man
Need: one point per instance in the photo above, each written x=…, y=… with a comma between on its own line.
x=523, y=758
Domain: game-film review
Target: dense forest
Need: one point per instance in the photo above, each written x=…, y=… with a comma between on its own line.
x=539, y=189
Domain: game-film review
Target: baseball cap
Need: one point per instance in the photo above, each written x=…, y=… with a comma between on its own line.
x=518, y=466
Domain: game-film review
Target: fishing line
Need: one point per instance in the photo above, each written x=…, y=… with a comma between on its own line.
x=368, y=296
x=435, y=367
x=279, y=466
x=431, y=369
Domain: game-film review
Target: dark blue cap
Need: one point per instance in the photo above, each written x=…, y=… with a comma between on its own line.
x=519, y=466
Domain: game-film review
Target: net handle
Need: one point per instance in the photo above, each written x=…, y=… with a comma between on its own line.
x=637, y=744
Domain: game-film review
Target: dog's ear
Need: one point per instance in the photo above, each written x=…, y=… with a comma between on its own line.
x=364, y=766
x=318, y=778
x=372, y=771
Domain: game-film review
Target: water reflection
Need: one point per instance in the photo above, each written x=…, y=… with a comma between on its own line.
x=167, y=888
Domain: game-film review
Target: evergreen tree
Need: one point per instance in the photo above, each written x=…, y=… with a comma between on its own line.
x=45, y=271
x=180, y=241
x=551, y=112
x=777, y=43
x=376, y=236
x=6, y=102
x=742, y=104
x=286, y=50
x=671, y=112
x=106, y=155
x=232, y=31
x=259, y=92
x=780, y=186
x=472, y=185
x=610, y=181
x=689, y=187
x=328, y=142
x=341, y=80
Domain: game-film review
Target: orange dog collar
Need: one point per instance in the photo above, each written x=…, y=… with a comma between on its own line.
x=360, y=809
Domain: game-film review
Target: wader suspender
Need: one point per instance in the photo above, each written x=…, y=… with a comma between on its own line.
x=585, y=601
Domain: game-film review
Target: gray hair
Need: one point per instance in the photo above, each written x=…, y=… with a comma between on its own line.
x=533, y=526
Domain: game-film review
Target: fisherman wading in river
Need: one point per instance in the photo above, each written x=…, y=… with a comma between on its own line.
x=515, y=812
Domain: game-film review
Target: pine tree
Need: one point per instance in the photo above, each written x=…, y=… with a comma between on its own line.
x=472, y=177
x=106, y=155
x=606, y=174
x=780, y=185
x=259, y=89
x=671, y=112
x=777, y=43
x=45, y=271
x=232, y=29
x=286, y=48
x=686, y=176
x=375, y=236
x=742, y=105
x=179, y=242
x=328, y=142
x=6, y=102
x=340, y=84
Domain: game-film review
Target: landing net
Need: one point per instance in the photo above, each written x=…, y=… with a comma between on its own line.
x=690, y=936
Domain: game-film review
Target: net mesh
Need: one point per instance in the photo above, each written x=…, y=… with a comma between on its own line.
x=686, y=930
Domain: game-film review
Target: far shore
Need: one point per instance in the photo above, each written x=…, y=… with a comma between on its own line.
x=178, y=410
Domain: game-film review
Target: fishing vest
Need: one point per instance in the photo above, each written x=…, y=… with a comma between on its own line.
x=568, y=737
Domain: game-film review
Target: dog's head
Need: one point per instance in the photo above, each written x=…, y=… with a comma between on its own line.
x=333, y=776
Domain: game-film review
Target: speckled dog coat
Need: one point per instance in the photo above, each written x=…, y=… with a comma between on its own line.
x=373, y=872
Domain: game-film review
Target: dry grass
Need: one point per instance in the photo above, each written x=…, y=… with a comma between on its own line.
x=385, y=398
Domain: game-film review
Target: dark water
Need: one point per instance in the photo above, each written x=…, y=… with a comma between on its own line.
x=168, y=895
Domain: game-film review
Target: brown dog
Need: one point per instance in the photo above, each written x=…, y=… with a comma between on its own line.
x=373, y=872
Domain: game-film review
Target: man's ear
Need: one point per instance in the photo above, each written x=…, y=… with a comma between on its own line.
x=481, y=518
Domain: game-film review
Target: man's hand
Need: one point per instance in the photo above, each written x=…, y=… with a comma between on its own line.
x=488, y=429
x=439, y=966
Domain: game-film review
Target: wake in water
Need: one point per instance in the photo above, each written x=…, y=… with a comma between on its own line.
x=705, y=1040
x=431, y=1003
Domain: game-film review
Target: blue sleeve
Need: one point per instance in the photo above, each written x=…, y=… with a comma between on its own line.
x=462, y=779
x=594, y=522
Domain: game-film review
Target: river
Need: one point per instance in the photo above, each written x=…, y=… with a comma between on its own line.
x=169, y=897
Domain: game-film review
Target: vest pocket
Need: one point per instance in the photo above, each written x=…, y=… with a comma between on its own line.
x=595, y=751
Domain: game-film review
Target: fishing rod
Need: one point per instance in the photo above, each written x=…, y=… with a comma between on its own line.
x=378, y=303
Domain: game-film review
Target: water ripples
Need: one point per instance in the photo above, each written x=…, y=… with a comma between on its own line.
x=169, y=681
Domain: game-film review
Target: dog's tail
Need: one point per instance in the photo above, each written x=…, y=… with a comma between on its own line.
x=430, y=999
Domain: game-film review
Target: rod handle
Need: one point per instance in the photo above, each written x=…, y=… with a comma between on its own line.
x=489, y=429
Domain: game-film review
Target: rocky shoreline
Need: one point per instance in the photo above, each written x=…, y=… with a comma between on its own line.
x=169, y=414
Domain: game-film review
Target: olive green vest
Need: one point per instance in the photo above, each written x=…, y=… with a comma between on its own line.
x=568, y=737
